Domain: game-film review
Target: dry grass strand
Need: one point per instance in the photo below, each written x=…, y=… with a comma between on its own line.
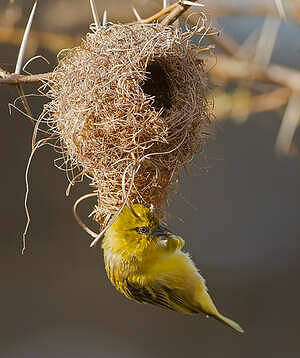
x=130, y=106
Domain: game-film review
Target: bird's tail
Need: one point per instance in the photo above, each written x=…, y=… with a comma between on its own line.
x=229, y=322
x=207, y=306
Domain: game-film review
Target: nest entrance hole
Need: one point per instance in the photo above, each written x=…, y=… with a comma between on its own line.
x=157, y=85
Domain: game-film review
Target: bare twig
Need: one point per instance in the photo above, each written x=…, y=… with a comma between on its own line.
x=175, y=13
x=218, y=8
x=159, y=14
x=270, y=101
x=228, y=68
x=228, y=105
x=225, y=68
x=14, y=79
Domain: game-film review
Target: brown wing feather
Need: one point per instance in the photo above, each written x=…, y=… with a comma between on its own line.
x=159, y=295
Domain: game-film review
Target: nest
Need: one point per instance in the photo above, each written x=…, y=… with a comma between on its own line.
x=130, y=107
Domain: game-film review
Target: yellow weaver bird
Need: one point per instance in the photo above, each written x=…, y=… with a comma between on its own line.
x=144, y=261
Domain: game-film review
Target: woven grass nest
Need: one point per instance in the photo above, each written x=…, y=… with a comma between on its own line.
x=130, y=107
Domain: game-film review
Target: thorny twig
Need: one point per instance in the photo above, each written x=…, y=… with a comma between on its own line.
x=232, y=69
x=240, y=104
x=285, y=9
x=7, y=78
x=175, y=13
x=234, y=66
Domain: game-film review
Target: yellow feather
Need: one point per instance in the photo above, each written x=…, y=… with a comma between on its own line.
x=145, y=262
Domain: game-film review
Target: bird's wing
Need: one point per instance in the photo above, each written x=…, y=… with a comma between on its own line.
x=159, y=295
x=174, y=243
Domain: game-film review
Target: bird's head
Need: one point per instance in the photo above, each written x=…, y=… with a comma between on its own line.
x=135, y=227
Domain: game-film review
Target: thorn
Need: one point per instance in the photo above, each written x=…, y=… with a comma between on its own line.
x=104, y=19
x=95, y=14
x=24, y=40
x=191, y=3
x=280, y=9
x=165, y=4
x=136, y=14
x=267, y=40
x=247, y=48
x=288, y=125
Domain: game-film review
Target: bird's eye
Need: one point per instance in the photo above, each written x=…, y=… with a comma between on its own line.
x=142, y=229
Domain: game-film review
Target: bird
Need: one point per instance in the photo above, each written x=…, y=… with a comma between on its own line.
x=145, y=262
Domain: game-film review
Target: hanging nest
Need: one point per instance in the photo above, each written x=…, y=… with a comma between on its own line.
x=130, y=107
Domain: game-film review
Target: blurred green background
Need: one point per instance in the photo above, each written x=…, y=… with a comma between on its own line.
x=238, y=212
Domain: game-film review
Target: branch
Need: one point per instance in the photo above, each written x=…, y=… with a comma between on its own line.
x=173, y=12
x=159, y=14
x=228, y=68
x=241, y=103
x=15, y=79
x=258, y=8
x=217, y=8
x=174, y=15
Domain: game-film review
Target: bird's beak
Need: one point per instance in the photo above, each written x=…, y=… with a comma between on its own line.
x=161, y=231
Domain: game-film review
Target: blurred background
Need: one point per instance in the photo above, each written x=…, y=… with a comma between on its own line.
x=238, y=209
